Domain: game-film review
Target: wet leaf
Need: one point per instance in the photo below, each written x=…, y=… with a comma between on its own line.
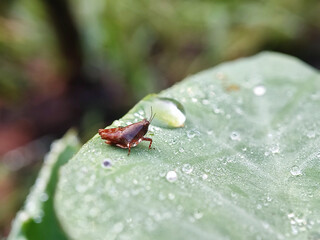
x=244, y=166
x=37, y=220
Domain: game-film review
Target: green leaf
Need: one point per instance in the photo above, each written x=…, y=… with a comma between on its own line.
x=245, y=165
x=38, y=221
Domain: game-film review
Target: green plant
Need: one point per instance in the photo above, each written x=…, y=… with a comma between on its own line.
x=242, y=164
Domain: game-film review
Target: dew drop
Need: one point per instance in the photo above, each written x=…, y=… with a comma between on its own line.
x=235, y=136
x=169, y=112
x=198, y=215
x=118, y=227
x=106, y=163
x=44, y=197
x=269, y=199
x=275, y=149
x=311, y=134
x=192, y=133
x=171, y=196
x=204, y=176
x=217, y=110
x=187, y=168
x=171, y=176
x=295, y=170
x=205, y=101
x=37, y=219
x=259, y=90
x=290, y=215
x=181, y=149
x=23, y=216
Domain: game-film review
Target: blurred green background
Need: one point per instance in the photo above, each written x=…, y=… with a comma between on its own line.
x=83, y=64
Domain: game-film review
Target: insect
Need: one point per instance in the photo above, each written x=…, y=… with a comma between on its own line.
x=129, y=136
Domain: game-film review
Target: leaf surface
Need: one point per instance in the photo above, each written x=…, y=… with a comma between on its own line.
x=244, y=165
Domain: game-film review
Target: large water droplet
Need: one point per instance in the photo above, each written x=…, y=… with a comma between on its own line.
x=295, y=170
x=259, y=90
x=171, y=176
x=187, y=168
x=169, y=112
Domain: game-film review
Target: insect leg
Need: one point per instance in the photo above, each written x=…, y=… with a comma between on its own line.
x=129, y=146
x=147, y=139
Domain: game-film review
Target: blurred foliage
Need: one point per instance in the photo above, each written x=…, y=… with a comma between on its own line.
x=85, y=63
x=149, y=45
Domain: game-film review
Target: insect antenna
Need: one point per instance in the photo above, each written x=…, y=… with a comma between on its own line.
x=151, y=116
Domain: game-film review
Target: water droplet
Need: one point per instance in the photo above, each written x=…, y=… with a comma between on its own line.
x=198, y=214
x=290, y=215
x=192, y=133
x=161, y=196
x=217, y=110
x=169, y=112
x=295, y=170
x=118, y=227
x=171, y=176
x=205, y=101
x=259, y=90
x=269, y=199
x=235, y=136
x=171, y=196
x=181, y=149
x=106, y=163
x=37, y=219
x=173, y=141
x=187, y=168
x=204, y=176
x=44, y=197
x=311, y=134
x=275, y=149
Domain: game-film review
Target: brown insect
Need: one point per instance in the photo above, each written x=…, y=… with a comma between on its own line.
x=129, y=136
